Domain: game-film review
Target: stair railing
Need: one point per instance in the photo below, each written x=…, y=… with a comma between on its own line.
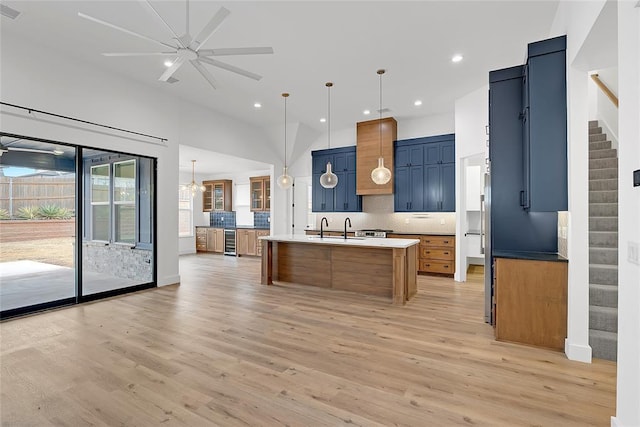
x=603, y=87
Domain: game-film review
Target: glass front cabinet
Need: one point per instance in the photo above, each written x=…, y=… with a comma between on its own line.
x=217, y=196
x=260, y=187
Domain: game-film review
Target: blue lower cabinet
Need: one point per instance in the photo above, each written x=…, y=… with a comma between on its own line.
x=343, y=197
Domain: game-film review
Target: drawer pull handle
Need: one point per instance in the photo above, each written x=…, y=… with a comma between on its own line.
x=446, y=266
x=446, y=253
x=446, y=241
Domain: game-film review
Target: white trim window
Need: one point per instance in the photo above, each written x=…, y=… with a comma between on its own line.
x=124, y=201
x=185, y=212
x=100, y=202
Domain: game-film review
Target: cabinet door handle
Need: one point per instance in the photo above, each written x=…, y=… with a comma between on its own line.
x=407, y=205
x=410, y=205
x=446, y=253
x=445, y=241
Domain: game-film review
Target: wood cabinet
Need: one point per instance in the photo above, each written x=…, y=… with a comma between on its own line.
x=260, y=193
x=217, y=196
x=368, y=152
x=438, y=254
x=247, y=242
x=209, y=239
x=343, y=197
x=425, y=174
x=201, y=239
x=531, y=302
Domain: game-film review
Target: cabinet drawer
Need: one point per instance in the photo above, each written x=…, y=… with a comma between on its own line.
x=432, y=253
x=436, y=266
x=446, y=241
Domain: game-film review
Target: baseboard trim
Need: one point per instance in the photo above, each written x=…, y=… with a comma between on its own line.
x=169, y=280
x=577, y=352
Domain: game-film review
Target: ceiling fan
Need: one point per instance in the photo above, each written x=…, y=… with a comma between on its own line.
x=187, y=48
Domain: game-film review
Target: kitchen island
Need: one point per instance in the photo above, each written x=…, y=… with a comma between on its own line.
x=371, y=266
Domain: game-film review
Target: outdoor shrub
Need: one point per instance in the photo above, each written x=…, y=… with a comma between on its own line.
x=28, y=212
x=4, y=214
x=53, y=212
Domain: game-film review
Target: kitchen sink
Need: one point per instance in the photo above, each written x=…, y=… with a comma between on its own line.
x=335, y=238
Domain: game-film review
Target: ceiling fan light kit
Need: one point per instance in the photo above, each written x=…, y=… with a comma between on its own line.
x=380, y=175
x=188, y=48
x=329, y=179
x=285, y=181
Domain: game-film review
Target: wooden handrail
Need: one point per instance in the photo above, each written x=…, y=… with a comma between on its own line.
x=605, y=89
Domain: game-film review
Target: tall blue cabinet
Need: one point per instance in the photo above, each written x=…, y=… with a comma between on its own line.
x=425, y=174
x=343, y=197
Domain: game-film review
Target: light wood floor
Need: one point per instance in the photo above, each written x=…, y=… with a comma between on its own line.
x=222, y=350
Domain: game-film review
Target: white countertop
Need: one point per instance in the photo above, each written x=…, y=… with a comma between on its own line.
x=368, y=242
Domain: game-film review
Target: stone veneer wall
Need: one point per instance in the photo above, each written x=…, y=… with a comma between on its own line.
x=118, y=260
x=378, y=212
x=563, y=225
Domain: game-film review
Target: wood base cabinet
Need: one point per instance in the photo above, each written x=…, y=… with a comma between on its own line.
x=531, y=302
x=247, y=242
x=209, y=239
x=438, y=254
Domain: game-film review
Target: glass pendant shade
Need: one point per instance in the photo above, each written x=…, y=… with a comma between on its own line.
x=284, y=181
x=381, y=175
x=194, y=187
x=329, y=179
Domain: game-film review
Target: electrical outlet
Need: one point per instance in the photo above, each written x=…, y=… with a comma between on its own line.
x=406, y=220
x=442, y=222
x=633, y=255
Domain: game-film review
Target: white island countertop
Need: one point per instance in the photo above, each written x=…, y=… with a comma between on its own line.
x=366, y=242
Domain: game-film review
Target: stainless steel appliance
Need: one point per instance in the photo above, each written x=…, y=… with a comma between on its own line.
x=488, y=258
x=229, y=242
x=372, y=233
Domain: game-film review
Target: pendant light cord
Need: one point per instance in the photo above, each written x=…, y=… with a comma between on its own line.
x=285, y=95
x=329, y=113
x=380, y=73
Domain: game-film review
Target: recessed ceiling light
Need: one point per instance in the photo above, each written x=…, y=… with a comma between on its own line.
x=168, y=63
x=257, y=105
x=366, y=112
x=456, y=58
x=322, y=120
x=417, y=103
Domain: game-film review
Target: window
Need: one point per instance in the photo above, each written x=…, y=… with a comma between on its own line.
x=124, y=201
x=185, y=212
x=100, y=207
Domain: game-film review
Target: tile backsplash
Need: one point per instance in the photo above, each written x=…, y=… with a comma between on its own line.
x=378, y=213
x=563, y=226
x=222, y=219
x=262, y=219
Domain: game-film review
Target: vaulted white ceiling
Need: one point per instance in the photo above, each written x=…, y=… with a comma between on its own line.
x=314, y=42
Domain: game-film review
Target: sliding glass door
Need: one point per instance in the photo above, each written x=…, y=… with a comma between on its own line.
x=117, y=243
x=76, y=224
x=37, y=225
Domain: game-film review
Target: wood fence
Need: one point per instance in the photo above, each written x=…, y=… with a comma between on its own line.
x=36, y=191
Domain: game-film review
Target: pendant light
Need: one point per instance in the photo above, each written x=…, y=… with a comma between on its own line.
x=194, y=187
x=380, y=175
x=329, y=179
x=284, y=180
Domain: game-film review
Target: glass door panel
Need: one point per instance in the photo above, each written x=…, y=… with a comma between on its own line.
x=218, y=197
x=256, y=195
x=267, y=194
x=118, y=227
x=37, y=225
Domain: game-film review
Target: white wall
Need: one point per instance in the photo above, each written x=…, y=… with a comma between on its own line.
x=40, y=78
x=628, y=396
x=606, y=111
x=471, y=119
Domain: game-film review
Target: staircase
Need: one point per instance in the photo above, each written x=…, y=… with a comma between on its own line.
x=603, y=245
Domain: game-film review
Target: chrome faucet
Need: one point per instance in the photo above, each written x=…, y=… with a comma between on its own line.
x=323, y=221
x=345, y=226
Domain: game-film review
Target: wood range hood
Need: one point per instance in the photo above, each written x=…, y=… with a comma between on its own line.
x=368, y=152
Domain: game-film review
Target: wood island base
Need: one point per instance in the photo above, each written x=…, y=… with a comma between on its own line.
x=389, y=272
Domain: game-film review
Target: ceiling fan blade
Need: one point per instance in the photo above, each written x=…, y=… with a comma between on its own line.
x=157, y=15
x=138, y=53
x=205, y=73
x=236, y=51
x=209, y=29
x=172, y=69
x=124, y=30
x=231, y=68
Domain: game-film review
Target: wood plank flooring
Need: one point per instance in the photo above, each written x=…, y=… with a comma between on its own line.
x=220, y=349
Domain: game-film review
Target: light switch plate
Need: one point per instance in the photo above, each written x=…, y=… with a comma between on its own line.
x=636, y=178
x=633, y=255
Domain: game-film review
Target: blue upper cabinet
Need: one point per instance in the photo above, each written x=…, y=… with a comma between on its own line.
x=545, y=127
x=341, y=198
x=425, y=174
